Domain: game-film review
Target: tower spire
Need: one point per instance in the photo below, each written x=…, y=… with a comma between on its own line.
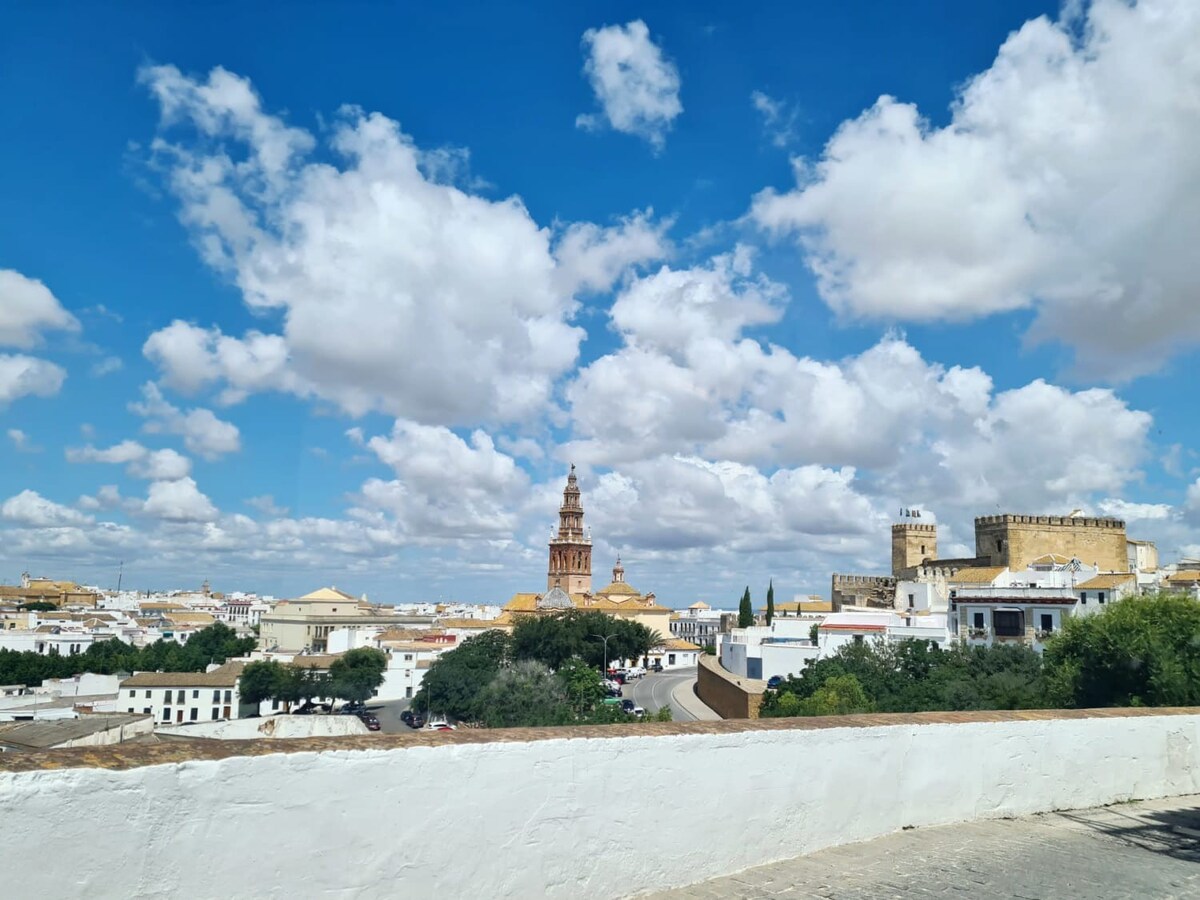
x=571, y=549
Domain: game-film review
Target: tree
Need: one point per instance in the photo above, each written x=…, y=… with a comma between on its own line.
x=259, y=681
x=581, y=684
x=814, y=633
x=1142, y=651
x=525, y=693
x=38, y=606
x=745, y=611
x=454, y=681
x=839, y=696
x=357, y=674
x=771, y=601
x=554, y=639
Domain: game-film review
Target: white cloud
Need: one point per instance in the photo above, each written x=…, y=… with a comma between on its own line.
x=107, y=366
x=178, y=500
x=29, y=508
x=1136, y=512
x=152, y=465
x=592, y=258
x=266, y=505
x=27, y=308
x=20, y=440
x=27, y=376
x=192, y=358
x=446, y=487
x=1066, y=181
x=398, y=293
x=202, y=432
x=779, y=122
x=636, y=86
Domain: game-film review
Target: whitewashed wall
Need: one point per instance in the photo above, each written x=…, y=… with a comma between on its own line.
x=560, y=818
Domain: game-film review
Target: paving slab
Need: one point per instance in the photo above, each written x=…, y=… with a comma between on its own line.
x=1148, y=849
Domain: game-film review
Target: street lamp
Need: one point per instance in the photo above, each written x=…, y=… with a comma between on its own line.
x=605, y=637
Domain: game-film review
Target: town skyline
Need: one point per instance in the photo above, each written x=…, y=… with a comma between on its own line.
x=281, y=329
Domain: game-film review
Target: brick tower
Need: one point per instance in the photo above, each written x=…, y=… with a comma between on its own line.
x=571, y=548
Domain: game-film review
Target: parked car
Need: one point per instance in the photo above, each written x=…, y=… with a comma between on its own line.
x=635, y=672
x=417, y=721
x=370, y=721
x=438, y=723
x=407, y=716
x=774, y=681
x=657, y=667
x=632, y=708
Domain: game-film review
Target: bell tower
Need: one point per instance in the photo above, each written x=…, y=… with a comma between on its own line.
x=571, y=548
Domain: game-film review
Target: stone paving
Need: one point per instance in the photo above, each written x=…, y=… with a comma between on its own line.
x=1138, y=850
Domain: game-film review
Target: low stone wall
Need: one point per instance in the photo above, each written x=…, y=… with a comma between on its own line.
x=597, y=812
x=730, y=696
x=280, y=726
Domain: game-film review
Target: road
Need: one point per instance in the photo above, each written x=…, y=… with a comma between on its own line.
x=388, y=713
x=1133, y=850
x=653, y=692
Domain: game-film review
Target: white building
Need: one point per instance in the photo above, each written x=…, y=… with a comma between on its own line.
x=698, y=624
x=179, y=697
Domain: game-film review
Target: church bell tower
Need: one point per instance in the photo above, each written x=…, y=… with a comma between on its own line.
x=571, y=548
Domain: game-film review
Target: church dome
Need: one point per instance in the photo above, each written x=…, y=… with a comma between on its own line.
x=555, y=598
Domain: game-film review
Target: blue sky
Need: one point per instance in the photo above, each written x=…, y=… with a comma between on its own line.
x=334, y=295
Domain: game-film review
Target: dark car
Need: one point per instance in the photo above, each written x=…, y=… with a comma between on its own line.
x=416, y=722
x=407, y=716
x=774, y=681
x=370, y=721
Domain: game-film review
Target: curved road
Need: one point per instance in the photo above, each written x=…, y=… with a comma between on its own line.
x=653, y=692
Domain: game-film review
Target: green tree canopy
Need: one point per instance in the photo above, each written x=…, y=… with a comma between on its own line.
x=453, y=682
x=260, y=680
x=523, y=693
x=770, y=601
x=554, y=639
x=1139, y=651
x=745, y=611
x=357, y=674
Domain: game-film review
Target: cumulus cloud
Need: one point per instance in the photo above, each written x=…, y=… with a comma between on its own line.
x=20, y=440
x=636, y=86
x=446, y=487
x=27, y=308
x=178, y=500
x=1065, y=181
x=202, y=432
x=107, y=366
x=592, y=258
x=142, y=462
x=28, y=376
x=398, y=293
x=31, y=509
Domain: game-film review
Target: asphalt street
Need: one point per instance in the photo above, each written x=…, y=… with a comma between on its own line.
x=653, y=692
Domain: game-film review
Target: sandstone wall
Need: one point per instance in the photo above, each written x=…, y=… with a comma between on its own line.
x=726, y=694
x=1015, y=541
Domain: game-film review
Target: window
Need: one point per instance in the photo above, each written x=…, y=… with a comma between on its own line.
x=216, y=696
x=195, y=695
x=408, y=693
x=1083, y=599
x=195, y=713
x=670, y=659
x=214, y=714
x=166, y=715
x=131, y=709
x=977, y=620
x=166, y=696
x=132, y=693
x=147, y=695
x=408, y=657
x=180, y=696
x=922, y=549
x=146, y=711
x=1047, y=622
x=229, y=696
x=858, y=639
x=911, y=599
x=1100, y=596
x=1008, y=623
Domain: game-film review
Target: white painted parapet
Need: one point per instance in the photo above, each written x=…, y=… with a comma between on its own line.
x=576, y=813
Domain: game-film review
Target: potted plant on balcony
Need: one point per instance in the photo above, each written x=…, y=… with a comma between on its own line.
x=977, y=632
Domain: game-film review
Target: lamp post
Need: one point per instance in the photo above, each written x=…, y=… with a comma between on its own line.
x=604, y=637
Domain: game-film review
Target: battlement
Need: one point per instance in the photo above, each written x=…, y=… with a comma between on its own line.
x=870, y=580
x=914, y=528
x=1063, y=521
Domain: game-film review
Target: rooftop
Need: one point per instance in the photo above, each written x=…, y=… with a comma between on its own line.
x=44, y=735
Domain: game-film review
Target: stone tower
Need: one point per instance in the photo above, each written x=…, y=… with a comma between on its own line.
x=912, y=544
x=571, y=548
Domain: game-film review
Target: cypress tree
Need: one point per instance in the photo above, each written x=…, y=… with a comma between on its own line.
x=745, y=611
x=771, y=601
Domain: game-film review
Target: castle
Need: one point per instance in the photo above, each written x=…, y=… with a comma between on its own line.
x=1003, y=541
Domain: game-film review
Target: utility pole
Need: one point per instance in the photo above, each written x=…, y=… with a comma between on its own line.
x=604, y=637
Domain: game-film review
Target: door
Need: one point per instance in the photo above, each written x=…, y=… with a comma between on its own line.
x=178, y=715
